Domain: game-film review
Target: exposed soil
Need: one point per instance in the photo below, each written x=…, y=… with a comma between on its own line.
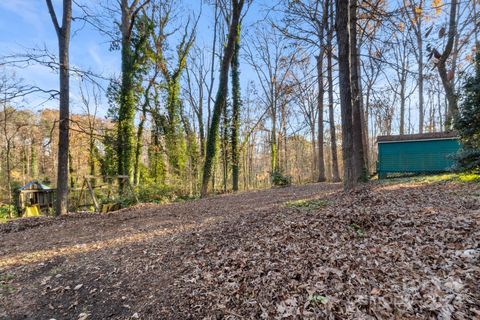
x=382, y=251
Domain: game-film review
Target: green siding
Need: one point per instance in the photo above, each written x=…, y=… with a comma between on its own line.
x=421, y=156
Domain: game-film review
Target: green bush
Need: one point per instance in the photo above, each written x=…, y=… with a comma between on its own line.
x=149, y=193
x=307, y=204
x=278, y=179
x=467, y=123
x=7, y=211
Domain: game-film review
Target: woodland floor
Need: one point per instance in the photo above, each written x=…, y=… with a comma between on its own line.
x=396, y=250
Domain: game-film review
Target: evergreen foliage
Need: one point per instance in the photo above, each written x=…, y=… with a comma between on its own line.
x=467, y=123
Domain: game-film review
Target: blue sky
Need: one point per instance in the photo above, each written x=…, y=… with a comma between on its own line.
x=26, y=24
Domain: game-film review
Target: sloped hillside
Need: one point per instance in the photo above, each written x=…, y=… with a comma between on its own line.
x=407, y=250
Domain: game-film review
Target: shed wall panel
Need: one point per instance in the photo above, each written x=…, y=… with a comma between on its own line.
x=421, y=156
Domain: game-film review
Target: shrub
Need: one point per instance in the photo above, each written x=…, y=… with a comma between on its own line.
x=278, y=179
x=467, y=123
x=7, y=211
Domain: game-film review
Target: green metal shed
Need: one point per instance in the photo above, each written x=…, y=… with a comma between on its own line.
x=416, y=153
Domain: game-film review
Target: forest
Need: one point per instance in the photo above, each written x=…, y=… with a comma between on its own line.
x=221, y=96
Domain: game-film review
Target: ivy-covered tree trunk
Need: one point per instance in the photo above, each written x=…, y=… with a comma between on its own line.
x=138, y=147
x=225, y=146
x=134, y=38
x=236, y=106
x=174, y=139
x=192, y=152
x=221, y=97
x=126, y=112
x=157, y=166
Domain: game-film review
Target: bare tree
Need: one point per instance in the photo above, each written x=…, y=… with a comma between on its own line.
x=10, y=123
x=306, y=22
x=331, y=117
x=413, y=10
x=63, y=35
x=272, y=64
x=442, y=64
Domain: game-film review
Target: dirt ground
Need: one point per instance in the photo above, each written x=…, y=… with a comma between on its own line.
x=382, y=251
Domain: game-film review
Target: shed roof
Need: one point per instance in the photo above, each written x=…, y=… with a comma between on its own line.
x=34, y=185
x=419, y=136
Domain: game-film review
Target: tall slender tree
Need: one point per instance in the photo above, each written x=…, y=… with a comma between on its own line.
x=175, y=139
x=63, y=35
x=127, y=99
x=235, y=16
x=331, y=116
x=343, y=40
x=442, y=64
x=236, y=108
x=305, y=23
x=414, y=13
x=357, y=121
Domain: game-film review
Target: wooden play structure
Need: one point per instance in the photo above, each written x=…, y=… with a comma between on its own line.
x=101, y=193
x=34, y=199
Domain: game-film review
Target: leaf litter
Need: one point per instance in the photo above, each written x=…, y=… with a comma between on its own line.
x=381, y=251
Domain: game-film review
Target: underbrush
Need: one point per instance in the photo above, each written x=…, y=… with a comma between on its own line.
x=307, y=204
x=7, y=212
x=152, y=193
x=278, y=179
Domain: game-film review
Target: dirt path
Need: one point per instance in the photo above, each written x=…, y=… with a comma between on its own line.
x=384, y=251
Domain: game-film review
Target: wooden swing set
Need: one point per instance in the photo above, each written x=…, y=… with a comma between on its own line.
x=109, y=191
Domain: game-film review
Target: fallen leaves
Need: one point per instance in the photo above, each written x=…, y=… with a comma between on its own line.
x=406, y=250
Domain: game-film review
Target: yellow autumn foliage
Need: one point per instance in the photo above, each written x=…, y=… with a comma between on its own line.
x=437, y=5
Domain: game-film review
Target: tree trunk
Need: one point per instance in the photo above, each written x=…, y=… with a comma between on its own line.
x=126, y=112
x=174, y=139
x=364, y=119
x=285, y=139
x=138, y=149
x=9, y=174
x=420, y=81
x=221, y=94
x=345, y=92
x=402, y=106
x=314, y=150
x=63, y=35
x=91, y=154
x=236, y=105
x=321, y=92
x=331, y=115
x=201, y=129
x=442, y=69
x=359, y=159
x=224, y=144
x=333, y=134
x=273, y=141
